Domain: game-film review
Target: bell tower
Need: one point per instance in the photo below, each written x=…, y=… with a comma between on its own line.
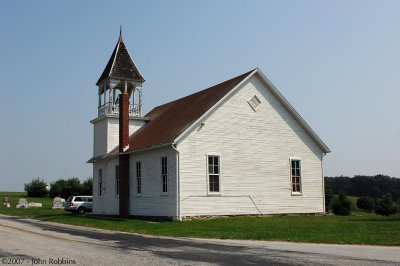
x=120, y=76
x=119, y=114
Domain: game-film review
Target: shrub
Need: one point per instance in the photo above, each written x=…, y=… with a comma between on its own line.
x=366, y=204
x=36, y=188
x=385, y=206
x=341, y=205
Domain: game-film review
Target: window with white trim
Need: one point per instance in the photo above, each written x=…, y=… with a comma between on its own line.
x=164, y=174
x=139, y=177
x=117, y=180
x=100, y=183
x=213, y=173
x=295, y=173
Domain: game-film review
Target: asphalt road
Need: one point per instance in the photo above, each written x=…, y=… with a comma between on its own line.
x=30, y=242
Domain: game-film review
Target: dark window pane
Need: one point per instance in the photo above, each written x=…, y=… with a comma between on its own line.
x=216, y=169
x=139, y=185
x=210, y=160
x=216, y=187
x=165, y=183
x=216, y=160
x=138, y=170
x=210, y=169
x=214, y=183
x=164, y=165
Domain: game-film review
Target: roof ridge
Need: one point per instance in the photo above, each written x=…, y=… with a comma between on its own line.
x=170, y=120
x=115, y=56
x=202, y=91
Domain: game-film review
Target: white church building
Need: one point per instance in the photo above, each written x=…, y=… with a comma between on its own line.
x=236, y=148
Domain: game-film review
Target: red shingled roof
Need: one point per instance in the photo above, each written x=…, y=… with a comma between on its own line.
x=169, y=121
x=120, y=65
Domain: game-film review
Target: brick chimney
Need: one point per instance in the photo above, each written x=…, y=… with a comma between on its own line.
x=123, y=121
x=124, y=158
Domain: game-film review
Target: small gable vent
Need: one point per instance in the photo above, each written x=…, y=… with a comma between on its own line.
x=254, y=102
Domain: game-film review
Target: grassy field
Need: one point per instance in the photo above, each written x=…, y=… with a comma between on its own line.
x=31, y=212
x=360, y=228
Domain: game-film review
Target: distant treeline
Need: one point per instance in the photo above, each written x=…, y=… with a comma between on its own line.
x=360, y=185
x=60, y=188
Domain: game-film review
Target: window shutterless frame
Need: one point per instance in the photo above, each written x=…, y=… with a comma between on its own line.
x=117, y=181
x=100, y=182
x=295, y=176
x=138, y=178
x=164, y=175
x=213, y=174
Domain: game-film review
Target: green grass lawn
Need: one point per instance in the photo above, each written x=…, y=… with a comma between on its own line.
x=31, y=212
x=360, y=228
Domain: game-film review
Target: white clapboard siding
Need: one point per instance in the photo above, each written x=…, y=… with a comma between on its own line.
x=254, y=148
x=108, y=203
x=106, y=133
x=152, y=202
x=100, y=137
x=112, y=133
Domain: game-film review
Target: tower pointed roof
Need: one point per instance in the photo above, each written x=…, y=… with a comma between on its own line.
x=121, y=65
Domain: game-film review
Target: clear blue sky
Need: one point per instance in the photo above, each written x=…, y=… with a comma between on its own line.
x=337, y=62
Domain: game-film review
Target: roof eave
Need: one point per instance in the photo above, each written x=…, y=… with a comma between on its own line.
x=110, y=155
x=280, y=97
x=190, y=128
x=157, y=146
x=106, y=74
x=137, y=69
x=295, y=114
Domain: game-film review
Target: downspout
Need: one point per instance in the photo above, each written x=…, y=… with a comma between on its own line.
x=178, y=194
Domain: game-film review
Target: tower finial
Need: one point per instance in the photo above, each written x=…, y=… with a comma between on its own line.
x=120, y=33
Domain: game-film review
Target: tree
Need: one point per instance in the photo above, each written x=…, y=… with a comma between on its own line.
x=36, y=188
x=87, y=186
x=65, y=188
x=57, y=188
x=341, y=205
x=328, y=196
x=366, y=204
x=385, y=206
x=361, y=185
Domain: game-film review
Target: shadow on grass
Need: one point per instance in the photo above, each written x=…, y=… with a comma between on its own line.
x=377, y=219
x=75, y=216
